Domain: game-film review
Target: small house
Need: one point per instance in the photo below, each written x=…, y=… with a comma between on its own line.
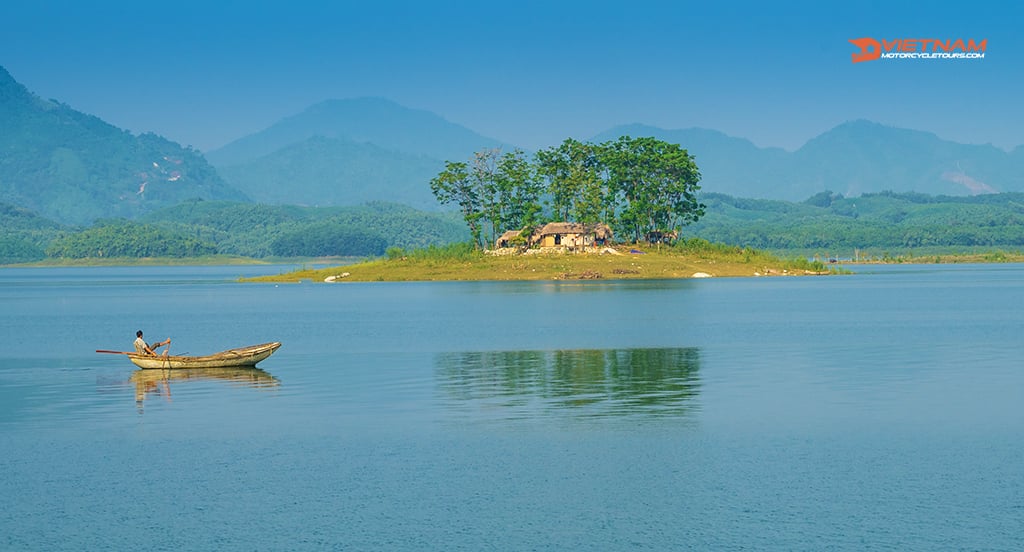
x=509, y=239
x=571, y=235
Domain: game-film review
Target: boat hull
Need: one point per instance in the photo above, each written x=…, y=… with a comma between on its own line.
x=243, y=357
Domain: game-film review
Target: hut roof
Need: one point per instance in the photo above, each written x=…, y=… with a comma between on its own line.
x=599, y=229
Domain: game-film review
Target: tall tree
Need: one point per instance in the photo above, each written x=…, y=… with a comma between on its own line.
x=657, y=183
x=454, y=184
x=519, y=189
x=576, y=185
x=483, y=179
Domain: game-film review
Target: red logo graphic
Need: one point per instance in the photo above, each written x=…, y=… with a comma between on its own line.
x=869, y=49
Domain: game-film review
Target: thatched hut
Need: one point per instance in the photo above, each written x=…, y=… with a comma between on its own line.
x=509, y=239
x=571, y=235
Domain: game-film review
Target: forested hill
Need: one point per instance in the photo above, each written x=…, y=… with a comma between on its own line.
x=829, y=223
x=75, y=168
x=24, y=234
x=199, y=228
x=259, y=231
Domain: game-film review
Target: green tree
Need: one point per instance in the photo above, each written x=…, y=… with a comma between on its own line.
x=494, y=191
x=657, y=183
x=454, y=184
x=519, y=189
x=484, y=179
x=577, y=187
x=639, y=185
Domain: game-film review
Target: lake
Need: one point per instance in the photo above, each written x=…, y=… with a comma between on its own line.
x=880, y=410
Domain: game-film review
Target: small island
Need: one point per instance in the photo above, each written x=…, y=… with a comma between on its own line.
x=556, y=216
x=694, y=258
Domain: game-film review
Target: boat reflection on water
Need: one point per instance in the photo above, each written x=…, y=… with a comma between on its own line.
x=593, y=383
x=158, y=382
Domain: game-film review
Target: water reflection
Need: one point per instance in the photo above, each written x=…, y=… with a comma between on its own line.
x=575, y=383
x=158, y=382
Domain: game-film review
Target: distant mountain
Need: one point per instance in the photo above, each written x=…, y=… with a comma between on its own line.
x=861, y=157
x=74, y=167
x=853, y=158
x=345, y=152
x=725, y=162
x=381, y=122
x=321, y=171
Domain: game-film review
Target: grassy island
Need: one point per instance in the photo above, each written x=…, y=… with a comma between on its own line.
x=694, y=258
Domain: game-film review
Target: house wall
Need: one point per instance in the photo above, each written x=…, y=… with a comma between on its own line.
x=568, y=240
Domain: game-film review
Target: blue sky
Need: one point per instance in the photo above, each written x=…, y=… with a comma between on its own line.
x=530, y=73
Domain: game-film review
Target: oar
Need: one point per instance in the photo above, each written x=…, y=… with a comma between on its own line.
x=115, y=352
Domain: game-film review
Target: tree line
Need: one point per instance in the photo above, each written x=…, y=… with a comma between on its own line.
x=826, y=222
x=640, y=187
x=198, y=228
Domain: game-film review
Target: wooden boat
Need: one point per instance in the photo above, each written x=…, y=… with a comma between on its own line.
x=232, y=358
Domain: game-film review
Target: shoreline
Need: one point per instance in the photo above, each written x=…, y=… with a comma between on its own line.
x=339, y=264
x=624, y=264
x=228, y=260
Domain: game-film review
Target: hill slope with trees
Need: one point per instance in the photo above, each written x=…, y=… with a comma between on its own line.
x=75, y=168
x=262, y=231
x=830, y=224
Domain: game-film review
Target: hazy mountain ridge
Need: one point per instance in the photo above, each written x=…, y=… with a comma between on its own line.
x=346, y=152
x=332, y=171
x=381, y=122
x=75, y=168
x=853, y=158
x=725, y=162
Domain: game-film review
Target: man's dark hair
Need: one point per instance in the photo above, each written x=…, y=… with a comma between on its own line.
x=138, y=333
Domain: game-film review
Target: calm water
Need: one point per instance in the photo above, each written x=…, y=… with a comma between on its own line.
x=877, y=411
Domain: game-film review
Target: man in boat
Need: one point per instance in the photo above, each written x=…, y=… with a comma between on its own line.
x=142, y=348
